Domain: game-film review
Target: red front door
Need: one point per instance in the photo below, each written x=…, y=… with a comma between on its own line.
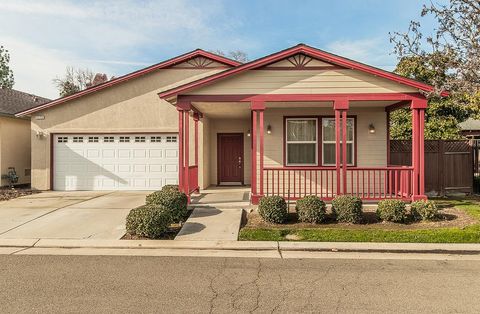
x=230, y=158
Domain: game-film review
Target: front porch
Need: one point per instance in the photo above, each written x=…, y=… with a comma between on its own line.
x=351, y=128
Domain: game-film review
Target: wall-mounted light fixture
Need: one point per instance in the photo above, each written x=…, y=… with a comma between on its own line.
x=40, y=135
x=248, y=133
x=371, y=128
x=269, y=129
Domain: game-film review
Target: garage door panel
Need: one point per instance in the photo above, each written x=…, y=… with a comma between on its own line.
x=115, y=162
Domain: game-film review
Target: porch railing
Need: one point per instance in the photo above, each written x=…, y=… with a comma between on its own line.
x=367, y=183
x=193, y=178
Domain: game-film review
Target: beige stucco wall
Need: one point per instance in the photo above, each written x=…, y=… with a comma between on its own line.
x=303, y=82
x=132, y=106
x=15, y=147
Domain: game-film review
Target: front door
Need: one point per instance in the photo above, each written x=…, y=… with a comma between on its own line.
x=230, y=158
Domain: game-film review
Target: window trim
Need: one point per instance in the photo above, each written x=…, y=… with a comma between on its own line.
x=286, y=142
x=353, y=141
x=319, y=150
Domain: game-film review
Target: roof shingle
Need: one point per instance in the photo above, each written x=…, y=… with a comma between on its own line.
x=13, y=101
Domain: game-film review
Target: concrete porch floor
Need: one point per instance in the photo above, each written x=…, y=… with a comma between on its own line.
x=223, y=196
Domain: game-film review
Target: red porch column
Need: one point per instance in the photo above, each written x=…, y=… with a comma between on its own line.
x=180, y=149
x=344, y=151
x=186, y=175
x=418, y=107
x=261, y=131
x=257, y=106
x=196, y=118
x=341, y=106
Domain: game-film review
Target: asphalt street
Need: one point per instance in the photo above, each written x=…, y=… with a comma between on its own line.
x=135, y=284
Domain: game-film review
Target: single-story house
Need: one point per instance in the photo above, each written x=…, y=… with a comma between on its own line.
x=299, y=121
x=15, y=134
x=470, y=128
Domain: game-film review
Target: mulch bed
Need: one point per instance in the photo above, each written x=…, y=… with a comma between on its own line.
x=9, y=193
x=448, y=217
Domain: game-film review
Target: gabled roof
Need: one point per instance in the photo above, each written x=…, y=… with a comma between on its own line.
x=302, y=49
x=121, y=79
x=13, y=101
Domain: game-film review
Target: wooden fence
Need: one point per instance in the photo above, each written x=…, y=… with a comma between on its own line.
x=448, y=164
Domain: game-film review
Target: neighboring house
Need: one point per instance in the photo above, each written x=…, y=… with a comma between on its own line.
x=15, y=133
x=277, y=123
x=470, y=128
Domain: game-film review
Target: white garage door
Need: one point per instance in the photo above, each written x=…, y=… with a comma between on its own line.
x=115, y=162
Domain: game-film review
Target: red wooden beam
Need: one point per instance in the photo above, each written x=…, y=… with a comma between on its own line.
x=337, y=148
x=181, y=170
x=344, y=152
x=254, y=155
x=186, y=175
x=261, y=131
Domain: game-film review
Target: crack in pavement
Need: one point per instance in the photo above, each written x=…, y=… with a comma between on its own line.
x=211, y=285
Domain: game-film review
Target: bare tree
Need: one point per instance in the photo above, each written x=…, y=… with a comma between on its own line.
x=76, y=80
x=236, y=55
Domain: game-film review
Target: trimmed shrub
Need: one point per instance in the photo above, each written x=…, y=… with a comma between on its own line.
x=347, y=208
x=170, y=187
x=149, y=221
x=134, y=218
x=311, y=209
x=273, y=209
x=172, y=200
x=392, y=210
x=423, y=210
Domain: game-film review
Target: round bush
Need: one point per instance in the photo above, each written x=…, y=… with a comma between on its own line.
x=273, y=209
x=170, y=187
x=134, y=218
x=423, y=210
x=149, y=221
x=172, y=200
x=311, y=209
x=347, y=208
x=392, y=210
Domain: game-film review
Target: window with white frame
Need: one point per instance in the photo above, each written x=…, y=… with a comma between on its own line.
x=301, y=141
x=328, y=141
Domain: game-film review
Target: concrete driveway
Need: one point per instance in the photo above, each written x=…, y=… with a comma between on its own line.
x=68, y=215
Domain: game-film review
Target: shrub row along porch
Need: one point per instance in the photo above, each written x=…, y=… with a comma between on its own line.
x=299, y=122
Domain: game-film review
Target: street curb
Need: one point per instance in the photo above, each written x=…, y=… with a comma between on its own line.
x=360, y=247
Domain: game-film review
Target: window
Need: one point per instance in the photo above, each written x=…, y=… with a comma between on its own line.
x=62, y=139
x=171, y=139
x=301, y=141
x=124, y=139
x=139, y=139
x=93, y=139
x=78, y=139
x=328, y=141
x=108, y=139
x=155, y=139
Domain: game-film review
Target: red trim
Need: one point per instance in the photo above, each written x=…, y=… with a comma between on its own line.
x=195, y=119
x=307, y=50
x=261, y=130
x=337, y=148
x=186, y=175
x=254, y=154
x=161, y=65
x=52, y=156
x=344, y=150
x=180, y=150
x=302, y=97
x=400, y=104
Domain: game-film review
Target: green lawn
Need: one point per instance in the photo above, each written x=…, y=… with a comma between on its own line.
x=470, y=234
